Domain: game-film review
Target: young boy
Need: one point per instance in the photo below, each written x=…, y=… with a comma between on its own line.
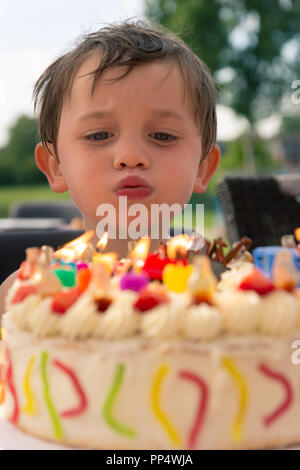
x=130, y=100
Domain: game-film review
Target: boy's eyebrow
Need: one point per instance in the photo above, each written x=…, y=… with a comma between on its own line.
x=95, y=114
x=156, y=112
x=168, y=113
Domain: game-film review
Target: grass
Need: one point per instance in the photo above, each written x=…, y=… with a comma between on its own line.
x=39, y=193
x=31, y=193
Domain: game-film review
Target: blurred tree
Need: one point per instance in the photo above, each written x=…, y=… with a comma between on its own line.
x=17, y=164
x=290, y=124
x=252, y=47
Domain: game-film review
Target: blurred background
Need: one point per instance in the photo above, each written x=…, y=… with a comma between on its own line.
x=252, y=48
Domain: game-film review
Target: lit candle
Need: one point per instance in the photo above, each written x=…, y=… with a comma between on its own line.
x=202, y=282
x=101, y=245
x=178, y=246
x=139, y=254
x=108, y=259
x=77, y=249
x=28, y=267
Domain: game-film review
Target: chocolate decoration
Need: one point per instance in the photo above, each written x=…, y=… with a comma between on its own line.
x=245, y=242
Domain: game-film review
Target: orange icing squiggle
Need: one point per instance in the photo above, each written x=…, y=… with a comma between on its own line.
x=79, y=390
x=158, y=412
x=243, y=397
x=200, y=415
x=267, y=420
x=30, y=407
x=10, y=382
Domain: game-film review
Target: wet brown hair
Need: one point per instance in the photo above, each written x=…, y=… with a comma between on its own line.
x=128, y=44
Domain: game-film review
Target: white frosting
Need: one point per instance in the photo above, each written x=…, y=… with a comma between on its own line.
x=240, y=310
x=277, y=313
x=202, y=322
x=13, y=289
x=236, y=312
x=42, y=321
x=120, y=319
x=22, y=311
x=83, y=320
x=166, y=320
x=232, y=277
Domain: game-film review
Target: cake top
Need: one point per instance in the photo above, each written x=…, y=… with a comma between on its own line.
x=80, y=291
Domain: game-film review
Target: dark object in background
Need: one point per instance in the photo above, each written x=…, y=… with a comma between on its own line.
x=14, y=244
x=258, y=208
x=61, y=210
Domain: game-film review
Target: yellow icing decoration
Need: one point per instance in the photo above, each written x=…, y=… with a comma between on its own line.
x=243, y=398
x=158, y=412
x=175, y=276
x=30, y=407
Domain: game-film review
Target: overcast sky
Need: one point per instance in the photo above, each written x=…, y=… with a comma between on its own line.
x=34, y=32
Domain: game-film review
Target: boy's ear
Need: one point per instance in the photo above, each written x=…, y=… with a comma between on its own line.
x=49, y=164
x=206, y=169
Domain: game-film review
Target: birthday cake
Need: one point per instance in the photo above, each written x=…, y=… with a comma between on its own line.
x=152, y=351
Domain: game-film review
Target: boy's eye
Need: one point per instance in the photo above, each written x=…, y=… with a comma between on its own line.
x=163, y=137
x=96, y=136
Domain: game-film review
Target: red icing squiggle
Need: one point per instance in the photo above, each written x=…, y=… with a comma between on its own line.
x=288, y=389
x=82, y=396
x=200, y=415
x=10, y=383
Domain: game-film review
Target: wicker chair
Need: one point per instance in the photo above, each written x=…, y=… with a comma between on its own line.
x=261, y=208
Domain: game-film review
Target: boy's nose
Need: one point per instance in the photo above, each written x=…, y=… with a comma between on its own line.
x=130, y=156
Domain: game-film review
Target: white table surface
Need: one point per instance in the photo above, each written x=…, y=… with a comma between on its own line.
x=8, y=224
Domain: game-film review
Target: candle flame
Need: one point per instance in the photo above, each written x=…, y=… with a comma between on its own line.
x=297, y=233
x=141, y=249
x=103, y=241
x=108, y=259
x=178, y=245
x=75, y=248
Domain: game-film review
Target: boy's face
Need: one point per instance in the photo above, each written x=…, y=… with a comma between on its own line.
x=140, y=125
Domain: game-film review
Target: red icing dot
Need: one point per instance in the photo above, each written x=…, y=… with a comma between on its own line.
x=64, y=300
x=150, y=298
x=257, y=281
x=23, y=292
x=146, y=303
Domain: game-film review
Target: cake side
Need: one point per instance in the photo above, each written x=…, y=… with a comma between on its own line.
x=136, y=394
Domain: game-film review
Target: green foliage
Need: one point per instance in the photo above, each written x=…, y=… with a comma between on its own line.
x=244, y=43
x=29, y=193
x=290, y=124
x=17, y=164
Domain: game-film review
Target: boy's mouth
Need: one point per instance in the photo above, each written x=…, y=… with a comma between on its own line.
x=133, y=187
